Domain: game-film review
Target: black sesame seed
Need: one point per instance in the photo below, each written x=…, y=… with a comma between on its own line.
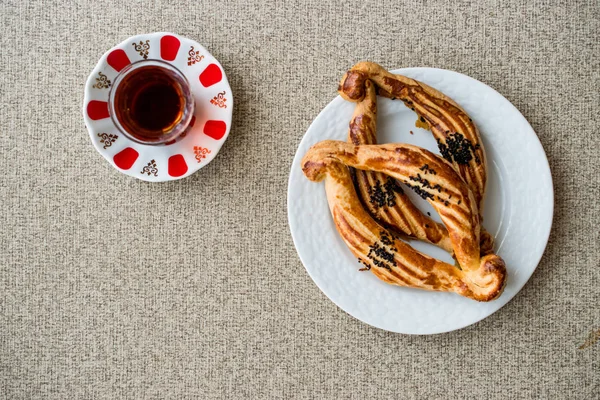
x=380, y=255
x=427, y=169
x=376, y=195
x=417, y=189
x=380, y=196
x=391, y=187
x=458, y=149
x=385, y=238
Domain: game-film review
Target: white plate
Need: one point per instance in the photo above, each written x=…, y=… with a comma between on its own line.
x=518, y=209
x=207, y=131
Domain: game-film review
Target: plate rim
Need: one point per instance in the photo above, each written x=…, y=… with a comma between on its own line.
x=538, y=143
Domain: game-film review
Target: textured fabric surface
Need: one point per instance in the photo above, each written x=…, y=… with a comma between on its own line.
x=111, y=287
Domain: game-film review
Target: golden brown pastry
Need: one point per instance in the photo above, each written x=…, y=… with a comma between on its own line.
x=381, y=194
x=390, y=259
x=457, y=136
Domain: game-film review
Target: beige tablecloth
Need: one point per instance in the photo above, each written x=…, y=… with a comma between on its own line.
x=114, y=288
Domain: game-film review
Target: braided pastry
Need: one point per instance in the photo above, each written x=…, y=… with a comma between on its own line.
x=457, y=136
x=390, y=259
x=382, y=196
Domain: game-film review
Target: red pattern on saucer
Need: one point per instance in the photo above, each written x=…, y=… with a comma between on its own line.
x=169, y=45
x=125, y=158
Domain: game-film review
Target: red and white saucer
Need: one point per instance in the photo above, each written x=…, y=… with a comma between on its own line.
x=208, y=129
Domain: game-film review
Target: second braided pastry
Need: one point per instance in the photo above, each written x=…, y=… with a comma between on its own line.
x=392, y=260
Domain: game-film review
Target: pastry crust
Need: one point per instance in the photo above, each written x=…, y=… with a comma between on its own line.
x=456, y=134
x=392, y=260
x=381, y=194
